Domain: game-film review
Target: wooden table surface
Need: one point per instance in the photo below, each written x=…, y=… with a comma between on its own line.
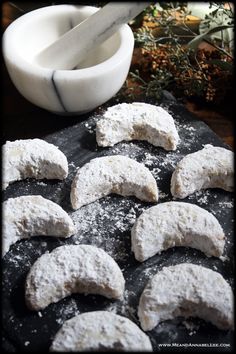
x=22, y=120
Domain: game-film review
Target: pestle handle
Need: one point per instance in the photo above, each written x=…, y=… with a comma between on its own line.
x=71, y=48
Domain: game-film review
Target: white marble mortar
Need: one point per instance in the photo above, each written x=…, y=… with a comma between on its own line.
x=67, y=92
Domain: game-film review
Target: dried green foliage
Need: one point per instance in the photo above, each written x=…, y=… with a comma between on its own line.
x=168, y=55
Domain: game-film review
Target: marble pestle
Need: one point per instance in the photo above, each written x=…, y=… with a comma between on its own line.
x=74, y=46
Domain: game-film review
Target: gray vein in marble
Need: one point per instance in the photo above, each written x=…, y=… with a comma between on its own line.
x=57, y=91
x=71, y=25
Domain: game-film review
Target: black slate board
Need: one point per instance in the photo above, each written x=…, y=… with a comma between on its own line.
x=106, y=223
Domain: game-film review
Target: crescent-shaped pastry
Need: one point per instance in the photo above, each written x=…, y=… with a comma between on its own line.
x=173, y=224
x=211, y=167
x=186, y=290
x=100, y=330
x=137, y=121
x=33, y=158
x=112, y=174
x=72, y=269
x=33, y=215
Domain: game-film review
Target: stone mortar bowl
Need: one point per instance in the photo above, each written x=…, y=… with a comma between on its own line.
x=66, y=92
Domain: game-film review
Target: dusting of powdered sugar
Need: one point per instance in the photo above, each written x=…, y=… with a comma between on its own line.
x=226, y=204
x=157, y=161
x=90, y=125
x=202, y=196
x=66, y=312
x=123, y=307
x=105, y=224
x=208, y=197
x=42, y=184
x=19, y=258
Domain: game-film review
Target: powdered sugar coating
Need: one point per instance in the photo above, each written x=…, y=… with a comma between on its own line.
x=33, y=215
x=137, y=121
x=187, y=290
x=211, y=167
x=72, y=269
x=112, y=174
x=176, y=224
x=34, y=158
x=100, y=330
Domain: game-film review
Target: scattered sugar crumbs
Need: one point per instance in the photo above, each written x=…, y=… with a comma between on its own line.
x=90, y=125
x=104, y=222
x=39, y=183
x=203, y=197
x=66, y=312
x=191, y=326
x=123, y=307
x=91, y=219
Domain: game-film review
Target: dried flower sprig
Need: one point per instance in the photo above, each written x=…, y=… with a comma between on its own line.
x=167, y=56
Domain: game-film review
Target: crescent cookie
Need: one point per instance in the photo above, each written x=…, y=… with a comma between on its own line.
x=186, y=290
x=100, y=330
x=112, y=174
x=72, y=269
x=33, y=215
x=137, y=121
x=173, y=224
x=211, y=167
x=33, y=158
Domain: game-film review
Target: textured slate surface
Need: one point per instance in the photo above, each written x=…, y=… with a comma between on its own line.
x=107, y=224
